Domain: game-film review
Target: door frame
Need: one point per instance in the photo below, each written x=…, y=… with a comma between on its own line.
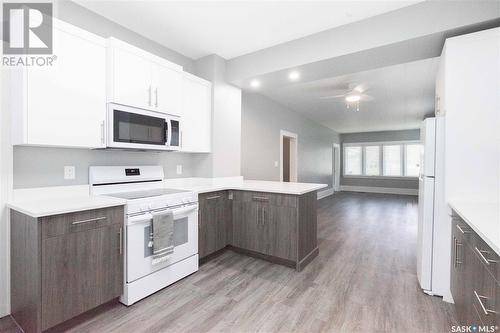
x=336, y=167
x=294, y=142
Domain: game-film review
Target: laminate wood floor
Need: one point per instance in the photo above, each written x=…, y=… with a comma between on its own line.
x=364, y=280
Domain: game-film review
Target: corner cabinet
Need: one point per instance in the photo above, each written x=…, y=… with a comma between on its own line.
x=64, y=265
x=63, y=104
x=140, y=79
x=196, y=114
x=281, y=228
x=475, y=273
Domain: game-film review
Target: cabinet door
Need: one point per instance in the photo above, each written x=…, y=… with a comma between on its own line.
x=131, y=79
x=247, y=226
x=213, y=223
x=80, y=271
x=167, y=88
x=281, y=232
x=196, y=115
x=458, y=265
x=66, y=102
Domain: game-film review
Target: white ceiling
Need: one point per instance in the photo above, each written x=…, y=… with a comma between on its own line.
x=233, y=28
x=403, y=95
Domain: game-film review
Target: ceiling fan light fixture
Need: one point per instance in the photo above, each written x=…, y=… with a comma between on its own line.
x=352, y=98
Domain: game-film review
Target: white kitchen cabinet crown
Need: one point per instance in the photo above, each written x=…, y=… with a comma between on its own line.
x=63, y=104
x=140, y=79
x=196, y=114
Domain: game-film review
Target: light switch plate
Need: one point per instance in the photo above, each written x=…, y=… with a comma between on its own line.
x=275, y=164
x=179, y=169
x=69, y=172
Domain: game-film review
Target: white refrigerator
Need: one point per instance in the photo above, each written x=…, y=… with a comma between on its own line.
x=434, y=225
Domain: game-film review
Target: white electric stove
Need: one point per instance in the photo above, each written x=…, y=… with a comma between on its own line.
x=142, y=187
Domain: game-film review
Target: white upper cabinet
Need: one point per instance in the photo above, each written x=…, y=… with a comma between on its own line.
x=131, y=79
x=63, y=104
x=140, y=79
x=196, y=114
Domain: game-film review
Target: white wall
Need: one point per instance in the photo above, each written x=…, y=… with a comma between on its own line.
x=225, y=160
x=262, y=120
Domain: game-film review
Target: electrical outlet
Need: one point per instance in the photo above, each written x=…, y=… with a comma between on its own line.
x=179, y=169
x=276, y=164
x=69, y=172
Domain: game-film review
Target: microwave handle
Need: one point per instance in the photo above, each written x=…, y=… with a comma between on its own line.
x=169, y=132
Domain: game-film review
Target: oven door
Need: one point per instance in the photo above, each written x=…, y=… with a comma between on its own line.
x=139, y=255
x=136, y=128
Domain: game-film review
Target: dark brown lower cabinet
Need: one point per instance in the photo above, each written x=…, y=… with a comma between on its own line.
x=213, y=222
x=64, y=265
x=474, y=283
x=278, y=227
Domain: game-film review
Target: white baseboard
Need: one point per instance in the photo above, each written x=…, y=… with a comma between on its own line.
x=325, y=193
x=384, y=190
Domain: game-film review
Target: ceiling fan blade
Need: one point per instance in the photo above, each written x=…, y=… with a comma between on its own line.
x=333, y=96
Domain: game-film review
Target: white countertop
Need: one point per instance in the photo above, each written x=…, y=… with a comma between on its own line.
x=482, y=217
x=46, y=201
x=203, y=185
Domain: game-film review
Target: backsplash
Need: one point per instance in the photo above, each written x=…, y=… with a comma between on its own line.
x=40, y=166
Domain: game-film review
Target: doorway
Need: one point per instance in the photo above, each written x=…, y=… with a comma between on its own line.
x=336, y=167
x=288, y=156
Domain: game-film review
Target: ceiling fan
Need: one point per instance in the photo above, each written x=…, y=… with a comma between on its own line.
x=352, y=94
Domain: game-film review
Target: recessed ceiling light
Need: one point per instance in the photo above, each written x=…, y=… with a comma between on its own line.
x=352, y=98
x=255, y=83
x=294, y=76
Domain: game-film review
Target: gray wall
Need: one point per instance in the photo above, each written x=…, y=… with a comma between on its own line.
x=261, y=122
x=39, y=166
x=378, y=137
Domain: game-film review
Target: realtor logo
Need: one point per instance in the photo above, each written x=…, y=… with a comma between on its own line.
x=27, y=28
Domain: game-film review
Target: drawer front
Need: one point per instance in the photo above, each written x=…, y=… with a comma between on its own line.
x=274, y=199
x=57, y=225
x=463, y=229
x=486, y=255
x=212, y=198
x=485, y=295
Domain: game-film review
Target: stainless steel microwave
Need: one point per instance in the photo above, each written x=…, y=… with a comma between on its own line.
x=134, y=128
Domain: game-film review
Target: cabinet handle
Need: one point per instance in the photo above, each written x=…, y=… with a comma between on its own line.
x=149, y=95
x=89, y=220
x=102, y=132
x=462, y=230
x=263, y=215
x=213, y=197
x=260, y=198
x=479, y=299
x=483, y=258
x=456, y=244
x=121, y=240
x=156, y=97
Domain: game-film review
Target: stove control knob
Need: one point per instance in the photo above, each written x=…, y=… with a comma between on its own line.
x=144, y=208
x=150, y=206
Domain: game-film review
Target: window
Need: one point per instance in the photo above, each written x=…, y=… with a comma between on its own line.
x=412, y=160
x=382, y=159
x=353, y=160
x=392, y=160
x=372, y=160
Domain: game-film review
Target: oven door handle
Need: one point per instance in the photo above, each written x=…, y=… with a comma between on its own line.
x=184, y=210
x=145, y=217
